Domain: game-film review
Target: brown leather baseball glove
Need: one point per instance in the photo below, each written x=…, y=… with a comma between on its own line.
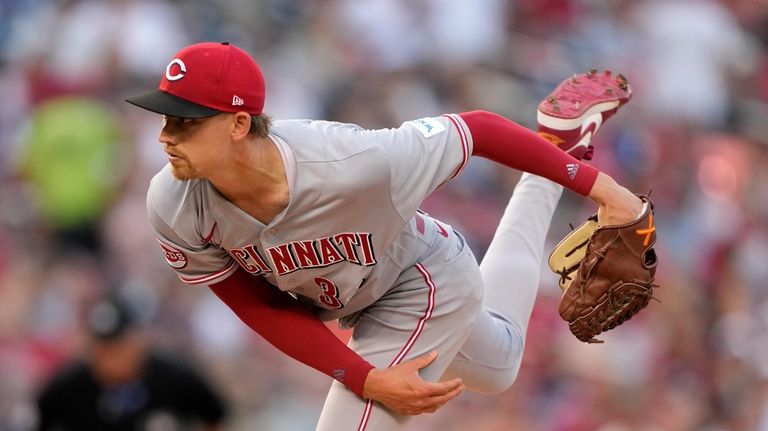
x=606, y=273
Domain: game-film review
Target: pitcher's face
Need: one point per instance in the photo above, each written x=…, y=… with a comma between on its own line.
x=195, y=146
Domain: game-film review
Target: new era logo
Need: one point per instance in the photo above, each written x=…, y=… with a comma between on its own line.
x=236, y=101
x=573, y=169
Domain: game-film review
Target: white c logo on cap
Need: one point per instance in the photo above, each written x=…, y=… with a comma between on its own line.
x=178, y=76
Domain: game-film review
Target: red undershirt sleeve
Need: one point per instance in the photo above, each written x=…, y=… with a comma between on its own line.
x=503, y=141
x=292, y=328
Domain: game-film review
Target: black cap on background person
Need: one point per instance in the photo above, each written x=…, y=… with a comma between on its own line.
x=117, y=344
x=110, y=319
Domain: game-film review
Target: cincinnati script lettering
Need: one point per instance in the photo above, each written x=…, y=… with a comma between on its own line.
x=353, y=247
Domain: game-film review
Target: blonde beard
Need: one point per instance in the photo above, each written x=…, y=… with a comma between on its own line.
x=184, y=173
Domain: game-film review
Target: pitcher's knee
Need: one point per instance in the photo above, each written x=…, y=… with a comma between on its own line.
x=493, y=371
x=494, y=381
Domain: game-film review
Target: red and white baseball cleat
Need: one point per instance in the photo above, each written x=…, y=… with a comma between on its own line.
x=576, y=109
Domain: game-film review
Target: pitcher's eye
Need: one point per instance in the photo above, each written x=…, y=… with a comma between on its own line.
x=177, y=120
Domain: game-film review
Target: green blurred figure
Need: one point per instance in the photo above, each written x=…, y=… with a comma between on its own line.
x=72, y=162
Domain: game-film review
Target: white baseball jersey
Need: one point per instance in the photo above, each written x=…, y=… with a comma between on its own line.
x=343, y=238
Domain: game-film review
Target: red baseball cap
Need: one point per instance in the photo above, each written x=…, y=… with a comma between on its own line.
x=205, y=79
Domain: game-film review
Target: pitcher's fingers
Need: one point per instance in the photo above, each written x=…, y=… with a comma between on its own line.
x=442, y=399
x=442, y=388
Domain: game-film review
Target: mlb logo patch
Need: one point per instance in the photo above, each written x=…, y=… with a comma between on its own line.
x=428, y=127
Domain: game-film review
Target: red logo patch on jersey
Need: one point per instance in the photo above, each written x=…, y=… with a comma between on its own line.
x=173, y=256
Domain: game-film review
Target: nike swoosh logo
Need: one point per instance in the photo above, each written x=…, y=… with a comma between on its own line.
x=208, y=238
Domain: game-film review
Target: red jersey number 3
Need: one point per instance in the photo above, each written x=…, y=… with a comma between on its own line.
x=330, y=295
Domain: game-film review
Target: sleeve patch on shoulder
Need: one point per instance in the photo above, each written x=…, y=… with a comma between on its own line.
x=428, y=126
x=175, y=257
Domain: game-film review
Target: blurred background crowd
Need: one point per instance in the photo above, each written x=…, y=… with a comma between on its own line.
x=75, y=162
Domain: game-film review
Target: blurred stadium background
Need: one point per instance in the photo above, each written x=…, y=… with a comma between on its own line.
x=75, y=162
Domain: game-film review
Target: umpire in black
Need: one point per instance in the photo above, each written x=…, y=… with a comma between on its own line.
x=123, y=385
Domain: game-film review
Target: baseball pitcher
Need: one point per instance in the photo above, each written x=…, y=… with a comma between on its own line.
x=294, y=222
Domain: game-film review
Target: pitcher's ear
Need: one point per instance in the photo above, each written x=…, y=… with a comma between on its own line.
x=241, y=124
